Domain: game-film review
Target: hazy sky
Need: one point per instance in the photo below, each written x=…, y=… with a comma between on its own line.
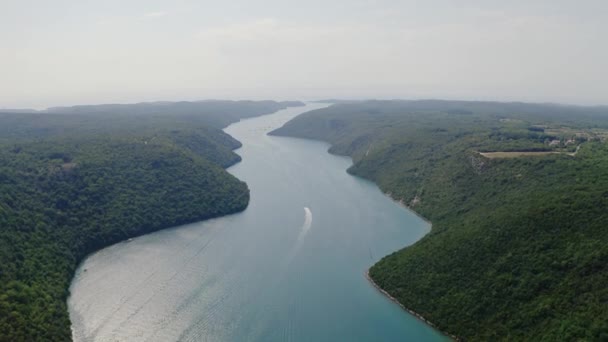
x=64, y=52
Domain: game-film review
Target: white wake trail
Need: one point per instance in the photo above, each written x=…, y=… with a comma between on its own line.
x=307, y=223
x=305, y=228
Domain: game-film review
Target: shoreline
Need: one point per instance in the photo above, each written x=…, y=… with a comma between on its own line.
x=399, y=202
x=407, y=207
x=388, y=295
x=80, y=262
x=411, y=312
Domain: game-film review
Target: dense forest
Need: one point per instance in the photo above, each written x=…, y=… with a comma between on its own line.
x=518, y=245
x=76, y=179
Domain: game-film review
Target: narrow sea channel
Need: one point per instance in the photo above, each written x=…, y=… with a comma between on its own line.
x=289, y=268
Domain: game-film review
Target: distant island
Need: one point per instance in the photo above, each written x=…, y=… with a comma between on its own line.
x=517, y=194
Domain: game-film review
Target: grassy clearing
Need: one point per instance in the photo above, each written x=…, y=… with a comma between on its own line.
x=500, y=155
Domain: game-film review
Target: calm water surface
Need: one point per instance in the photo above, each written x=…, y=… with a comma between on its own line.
x=289, y=268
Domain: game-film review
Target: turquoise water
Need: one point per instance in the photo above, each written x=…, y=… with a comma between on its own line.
x=289, y=268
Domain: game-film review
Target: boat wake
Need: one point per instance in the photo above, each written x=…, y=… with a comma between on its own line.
x=303, y=231
x=307, y=223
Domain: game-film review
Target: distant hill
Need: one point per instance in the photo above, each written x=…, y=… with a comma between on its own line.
x=26, y=110
x=336, y=101
x=518, y=245
x=124, y=118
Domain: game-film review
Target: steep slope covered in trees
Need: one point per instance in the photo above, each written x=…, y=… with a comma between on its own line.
x=518, y=246
x=71, y=184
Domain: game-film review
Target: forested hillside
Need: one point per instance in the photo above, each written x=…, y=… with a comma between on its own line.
x=130, y=118
x=73, y=183
x=518, y=246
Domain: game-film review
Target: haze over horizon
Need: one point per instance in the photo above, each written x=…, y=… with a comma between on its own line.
x=68, y=53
